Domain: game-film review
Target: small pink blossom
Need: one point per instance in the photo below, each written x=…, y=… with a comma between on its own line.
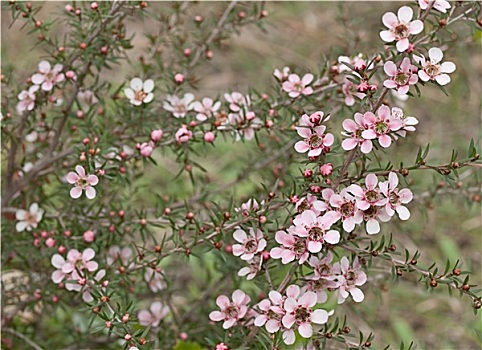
x=146, y=148
x=27, y=99
x=82, y=181
x=293, y=247
x=350, y=278
x=179, y=78
x=283, y=74
x=312, y=203
x=316, y=229
x=27, y=220
x=89, y=236
x=254, y=267
x=368, y=196
x=348, y=89
x=316, y=141
x=221, y=346
x=326, y=169
x=244, y=124
x=250, y=245
x=156, y=135
x=183, y=134
x=237, y=101
x=440, y=5
x=179, y=107
x=250, y=206
x=380, y=126
x=48, y=77
x=74, y=264
x=408, y=123
x=434, y=69
x=354, y=130
x=231, y=312
x=206, y=108
x=295, y=86
x=344, y=207
x=396, y=198
x=153, y=317
x=155, y=280
x=140, y=91
x=402, y=77
x=400, y=28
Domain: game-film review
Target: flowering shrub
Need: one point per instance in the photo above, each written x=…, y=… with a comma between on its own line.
x=228, y=220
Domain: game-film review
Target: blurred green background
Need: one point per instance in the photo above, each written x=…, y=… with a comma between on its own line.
x=300, y=34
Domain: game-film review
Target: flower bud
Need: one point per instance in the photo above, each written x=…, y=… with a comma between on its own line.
x=156, y=135
x=89, y=236
x=94, y=6
x=179, y=78
x=209, y=137
x=326, y=169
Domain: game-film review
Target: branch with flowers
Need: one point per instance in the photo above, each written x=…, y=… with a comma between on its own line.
x=146, y=214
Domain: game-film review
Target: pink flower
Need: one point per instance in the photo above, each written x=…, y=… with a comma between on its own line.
x=299, y=311
x=250, y=245
x=48, y=76
x=272, y=311
x=27, y=99
x=380, y=126
x=282, y=75
x=221, y=346
x=179, y=78
x=350, y=278
x=353, y=130
x=231, y=312
x=205, y=109
x=345, y=208
x=316, y=229
x=434, y=69
x=440, y=5
x=369, y=196
x=155, y=280
x=75, y=263
x=237, y=101
x=400, y=28
x=244, y=124
x=322, y=280
x=177, y=106
x=250, y=206
x=82, y=182
x=396, y=197
x=183, y=134
x=89, y=236
x=296, y=86
x=140, y=91
x=402, y=77
x=315, y=140
x=153, y=317
x=326, y=169
x=312, y=203
x=254, y=267
x=407, y=122
x=27, y=220
x=292, y=247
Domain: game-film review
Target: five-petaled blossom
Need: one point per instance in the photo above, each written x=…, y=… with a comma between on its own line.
x=396, y=197
x=353, y=130
x=400, y=28
x=349, y=278
x=316, y=229
x=82, y=181
x=440, y=5
x=380, y=126
x=433, y=69
x=140, y=92
x=74, y=265
x=231, y=312
x=295, y=86
x=316, y=141
x=48, y=77
x=250, y=244
x=292, y=247
x=179, y=107
x=402, y=77
x=152, y=317
x=27, y=99
x=27, y=220
x=206, y=108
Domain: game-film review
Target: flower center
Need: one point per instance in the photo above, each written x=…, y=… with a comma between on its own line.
x=401, y=31
x=231, y=311
x=347, y=209
x=402, y=78
x=350, y=278
x=83, y=182
x=140, y=95
x=358, y=133
x=302, y=315
x=299, y=247
x=250, y=246
x=31, y=219
x=432, y=70
x=371, y=212
x=372, y=196
x=315, y=141
x=316, y=234
x=394, y=199
x=303, y=206
x=381, y=128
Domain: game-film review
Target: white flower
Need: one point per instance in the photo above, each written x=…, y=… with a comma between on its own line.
x=400, y=27
x=179, y=106
x=434, y=69
x=48, y=77
x=28, y=219
x=206, y=108
x=27, y=99
x=140, y=91
x=440, y=5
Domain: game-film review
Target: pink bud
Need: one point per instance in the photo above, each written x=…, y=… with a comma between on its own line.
x=94, y=6
x=128, y=337
x=187, y=52
x=315, y=118
x=183, y=336
x=262, y=219
x=105, y=284
x=36, y=242
x=363, y=87
x=104, y=50
x=411, y=47
x=55, y=298
x=373, y=87
x=77, y=12
x=250, y=115
x=44, y=234
x=147, y=149
x=82, y=281
x=89, y=236
x=69, y=8
x=61, y=249
x=67, y=233
x=37, y=294
x=70, y=74
x=294, y=199
x=179, y=78
x=156, y=135
x=86, y=140
x=80, y=114
x=315, y=189
x=125, y=318
x=192, y=123
x=50, y=242
x=326, y=169
x=308, y=173
x=108, y=324
x=209, y=137
x=265, y=255
x=269, y=124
